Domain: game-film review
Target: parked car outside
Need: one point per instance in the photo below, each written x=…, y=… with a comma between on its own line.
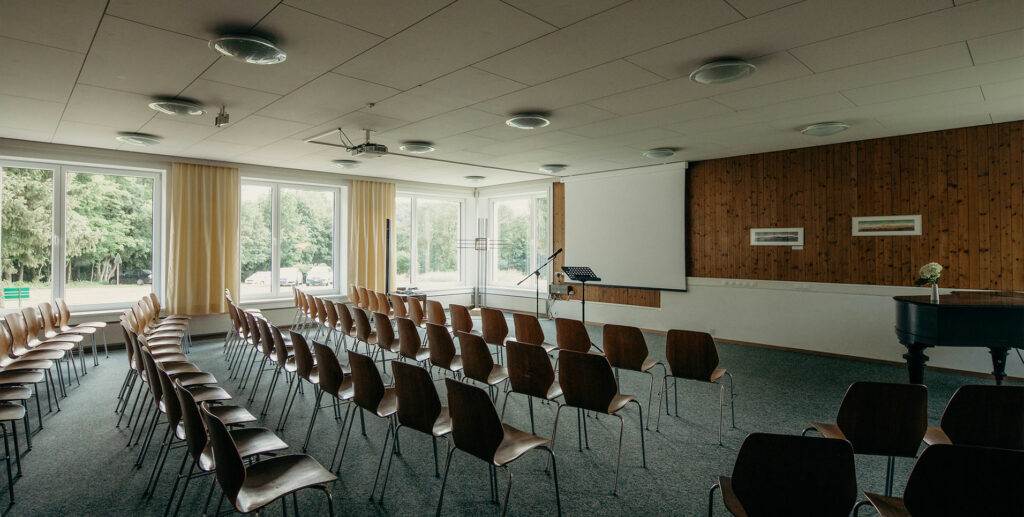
x=320, y=275
x=289, y=276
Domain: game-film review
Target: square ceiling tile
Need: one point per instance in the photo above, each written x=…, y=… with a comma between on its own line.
x=412, y=105
x=286, y=149
x=660, y=117
x=615, y=33
x=30, y=114
x=204, y=19
x=564, y=12
x=314, y=45
x=132, y=57
x=178, y=134
x=89, y=135
x=468, y=86
x=66, y=25
x=36, y=71
x=326, y=97
x=997, y=47
x=452, y=123
x=238, y=101
x=213, y=150
x=354, y=124
x=751, y=8
x=382, y=17
x=25, y=134
x=458, y=35
x=529, y=143
x=256, y=130
x=1004, y=90
x=562, y=118
x=101, y=106
x=938, y=82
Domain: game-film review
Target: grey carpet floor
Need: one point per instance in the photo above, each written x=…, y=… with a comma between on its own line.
x=79, y=464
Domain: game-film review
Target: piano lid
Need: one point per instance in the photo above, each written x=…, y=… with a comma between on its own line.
x=970, y=299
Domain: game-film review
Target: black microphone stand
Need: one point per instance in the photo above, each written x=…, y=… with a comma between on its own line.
x=536, y=276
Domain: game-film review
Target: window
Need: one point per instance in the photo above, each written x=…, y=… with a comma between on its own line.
x=427, y=232
x=85, y=234
x=289, y=237
x=520, y=227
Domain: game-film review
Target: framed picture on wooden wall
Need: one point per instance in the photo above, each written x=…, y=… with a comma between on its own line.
x=776, y=236
x=883, y=225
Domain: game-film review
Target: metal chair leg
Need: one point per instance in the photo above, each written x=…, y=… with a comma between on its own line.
x=444, y=482
x=711, y=499
x=618, y=456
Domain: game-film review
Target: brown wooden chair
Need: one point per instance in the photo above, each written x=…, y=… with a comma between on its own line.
x=442, y=349
x=345, y=327
x=530, y=373
x=588, y=384
x=303, y=367
x=528, y=330
x=881, y=419
x=334, y=382
x=252, y=487
x=435, y=313
x=958, y=480
x=364, y=332
x=572, y=335
x=982, y=415
x=462, y=321
x=383, y=305
x=387, y=342
x=398, y=306
x=367, y=301
x=420, y=409
x=478, y=364
x=409, y=344
x=415, y=311
x=477, y=431
x=495, y=330
x=66, y=326
x=779, y=474
x=626, y=349
x=370, y=395
x=692, y=355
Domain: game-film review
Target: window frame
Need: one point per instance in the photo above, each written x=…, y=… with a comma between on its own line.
x=58, y=242
x=492, y=231
x=338, y=252
x=414, y=246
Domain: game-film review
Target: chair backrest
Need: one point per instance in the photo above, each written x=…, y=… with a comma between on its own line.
x=385, y=332
x=986, y=416
x=51, y=321
x=6, y=345
x=330, y=314
x=154, y=300
x=353, y=294
x=170, y=399
x=19, y=334
x=344, y=323
x=408, y=338
x=442, y=348
x=587, y=380
x=364, y=298
x=151, y=376
x=362, y=323
x=328, y=368
x=266, y=341
x=571, y=335
x=624, y=346
x=965, y=480
x=528, y=328
x=476, y=427
x=236, y=326
x=476, y=357
x=529, y=369
x=371, y=300
x=382, y=302
x=495, y=329
x=367, y=386
x=192, y=422
x=795, y=475
x=414, y=310
x=398, y=306
x=230, y=470
x=280, y=350
x=253, y=328
x=435, y=313
x=321, y=309
x=303, y=355
x=130, y=343
x=418, y=403
x=690, y=354
x=65, y=312
x=33, y=326
x=882, y=418
x=461, y=320
x=300, y=299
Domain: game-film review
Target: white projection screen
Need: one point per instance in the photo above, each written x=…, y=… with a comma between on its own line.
x=629, y=226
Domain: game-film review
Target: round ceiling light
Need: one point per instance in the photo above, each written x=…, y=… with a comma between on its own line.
x=553, y=168
x=346, y=164
x=171, y=106
x=140, y=139
x=474, y=177
x=659, y=152
x=249, y=49
x=528, y=120
x=723, y=70
x=417, y=146
x=825, y=128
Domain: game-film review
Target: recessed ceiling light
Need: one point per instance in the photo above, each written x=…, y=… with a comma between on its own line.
x=249, y=49
x=474, y=177
x=172, y=106
x=528, y=120
x=417, y=146
x=346, y=164
x=659, y=152
x=722, y=71
x=825, y=128
x=553, y=168
x=141, y=139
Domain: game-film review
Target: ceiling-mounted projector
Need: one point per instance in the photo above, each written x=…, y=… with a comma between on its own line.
x=368, y=150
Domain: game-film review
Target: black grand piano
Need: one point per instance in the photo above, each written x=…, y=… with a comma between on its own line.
x=994, y=320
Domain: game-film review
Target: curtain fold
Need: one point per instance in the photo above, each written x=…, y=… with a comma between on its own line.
x=202, y=231
x=371, y=204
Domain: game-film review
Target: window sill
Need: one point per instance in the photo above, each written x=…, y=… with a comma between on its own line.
x=516, y=291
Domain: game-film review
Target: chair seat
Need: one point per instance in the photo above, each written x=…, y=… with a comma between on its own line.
x=28, y=364
x=828, y=430
x=78, y=330
x=157, y=349
x=498, y=374
x=21, y=377
x=188, y=379
x=249, y=441
x=65, y=346
x=232, y=415
x=176, y=368
x=270, y=479
x=887, y=506
x=44, y=354
x=388, y=403
x=15, y=393
x=163, y=342
x=732, y=503
x=346, y=391
x=170, y=358
x=11, y=411
x=209, y=393
x=421, y=355
x=935, y=436
x=443, y=424
x=69, y=337
x=554, y=391
x=515, y=443
x=717, y=374
x=618, y=402
x=314, y=376
x=648, y=363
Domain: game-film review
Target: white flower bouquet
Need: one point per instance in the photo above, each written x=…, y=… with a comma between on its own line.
x=929, y=274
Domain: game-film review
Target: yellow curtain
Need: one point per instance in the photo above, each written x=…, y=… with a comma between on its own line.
x=202, y=230
x=371, y=203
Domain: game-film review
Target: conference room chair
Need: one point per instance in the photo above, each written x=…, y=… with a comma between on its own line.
x=982, y=415
x=414, y=309
x=778, y=474
x=398, y=306
x=528, y=330
x=588, y=384
x=234, y=333
x=494, y=330
x=957, y=480
x=364, y=332
x=152, y=325
x=353, y=294
x=462, y=321
x=161, y=351
x=363, y=299
x=51, y=330
x=333, y=382
x=477, y=431
x=154, y=301
x=345, y=327
x=249, y=342
x=478, y=363
x=323, y=324
x=387, y=342
x=65, y=326
x=530, y=373
x=22, y=348
x=383, y=304
x=298, y=301
x=626, y=349
x=371, y=301
x=442, y=350
x=250, y=441
x=268, y=360
x=10, y=413
x=284, y=365
x=16, y=375
x=419, y=409
x=693, y=356
x=369, y=395
x=249, y=488
x=881, y=419
x=33, y=331
x=572, y=335
x=410, y=346
x=435, y=313
x=304, y=369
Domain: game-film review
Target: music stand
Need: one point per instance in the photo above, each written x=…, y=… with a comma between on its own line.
x=581, y=274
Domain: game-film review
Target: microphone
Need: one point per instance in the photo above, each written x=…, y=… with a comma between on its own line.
x=555, y=254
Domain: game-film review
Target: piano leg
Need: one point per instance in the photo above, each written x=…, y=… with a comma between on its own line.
x=999, y=363
x=916, y=360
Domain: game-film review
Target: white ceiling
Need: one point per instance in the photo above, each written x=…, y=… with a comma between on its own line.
x=613, y=74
